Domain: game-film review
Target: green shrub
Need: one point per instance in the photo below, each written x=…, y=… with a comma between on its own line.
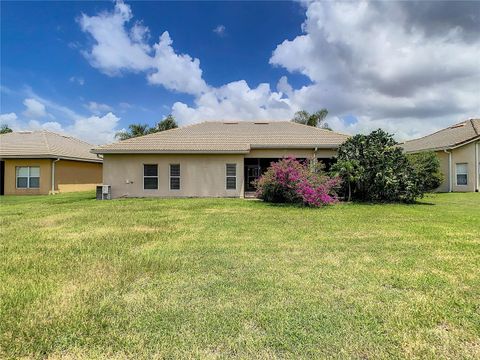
x=374, y=168
x=427, y=170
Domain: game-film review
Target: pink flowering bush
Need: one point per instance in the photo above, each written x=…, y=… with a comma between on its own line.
x=290, y=181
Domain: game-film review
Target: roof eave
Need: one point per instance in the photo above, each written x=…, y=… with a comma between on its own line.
x=449, y=147
x=49, y=156
x=295, y=146
x=123, y=151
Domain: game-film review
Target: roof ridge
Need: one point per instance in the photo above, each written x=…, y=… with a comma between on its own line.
x=436, y=132
x=316, y=127
x=70, y=137
x=155, y=133
x=46, y=140
x=44, y=132
x=477, y=130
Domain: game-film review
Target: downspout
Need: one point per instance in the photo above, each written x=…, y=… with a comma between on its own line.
x=53, y=175
x=449, y=170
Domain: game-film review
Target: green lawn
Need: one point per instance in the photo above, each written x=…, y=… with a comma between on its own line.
x=223, y=278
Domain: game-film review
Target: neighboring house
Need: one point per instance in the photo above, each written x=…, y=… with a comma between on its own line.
x=211, y=159
x=42, y=162
x=458, y=149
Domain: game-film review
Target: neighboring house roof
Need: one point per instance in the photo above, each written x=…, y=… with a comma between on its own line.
x=45, y=144
x=228, y=137
x=451, y=137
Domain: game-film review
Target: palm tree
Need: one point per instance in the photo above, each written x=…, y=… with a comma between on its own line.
x=166, y=124
x=134, y=130
x=316, y=119
x=4, y=129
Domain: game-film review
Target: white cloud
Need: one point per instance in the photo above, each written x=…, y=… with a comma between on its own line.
x=97, y=129
x=120, y=49
x=219, y=30
x=406, y=80
x=34, y=109
x=98, y=108
x=94, y=129
x=408, y=67
x=8, y=119
x=236, y=101
x=176, y=72
x=115, y=49
x=77, y=80
x=125, y=105
x=53, y=126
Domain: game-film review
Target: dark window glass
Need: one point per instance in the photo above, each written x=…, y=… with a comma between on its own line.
x=35, y=182
x=175, y=170
x=231, y=183
x=150, y=170
x=175, y=183
x=231, y=169
x=461, y=179
x=22, y=182
x=150, y=183
x=231, y=176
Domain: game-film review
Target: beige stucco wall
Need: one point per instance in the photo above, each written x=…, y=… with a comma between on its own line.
x=69, y=176
x=464, y=154
x=478, y=165
x=298, y=153
x=201, y=175
x=77, y=175
x=443, y=158
x=10, y=176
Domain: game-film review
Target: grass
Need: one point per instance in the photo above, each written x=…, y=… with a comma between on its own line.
x=229, y=278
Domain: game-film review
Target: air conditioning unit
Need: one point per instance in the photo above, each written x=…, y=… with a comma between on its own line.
x=104, y=192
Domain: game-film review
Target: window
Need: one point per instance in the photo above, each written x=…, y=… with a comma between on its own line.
x=28, y=177
x=174, y=176
x=231, y=176
x=462, y=174
x=150, y=177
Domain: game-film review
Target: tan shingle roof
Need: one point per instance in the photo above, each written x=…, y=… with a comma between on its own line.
x=230, y=137
x=44, y=144
x=450, y=137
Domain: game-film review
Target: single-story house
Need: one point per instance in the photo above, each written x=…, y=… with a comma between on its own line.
x=43, y=162
x=458, y=149
x=210, y=159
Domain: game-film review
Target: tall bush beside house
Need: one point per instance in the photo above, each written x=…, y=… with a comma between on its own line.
x=290, y=181
x=426, y=166
x=374, y=168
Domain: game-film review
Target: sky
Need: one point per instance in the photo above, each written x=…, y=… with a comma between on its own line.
x=89, y=69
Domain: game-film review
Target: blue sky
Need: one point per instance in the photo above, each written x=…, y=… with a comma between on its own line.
x=92, y=68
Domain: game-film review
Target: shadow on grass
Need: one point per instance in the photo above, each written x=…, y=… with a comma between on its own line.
x=371, y=203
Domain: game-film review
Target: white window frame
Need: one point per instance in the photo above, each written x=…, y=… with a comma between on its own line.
x=230, y=176
x=457, y=173
x=175, y=177
x=28, y=177
x=149, y=176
